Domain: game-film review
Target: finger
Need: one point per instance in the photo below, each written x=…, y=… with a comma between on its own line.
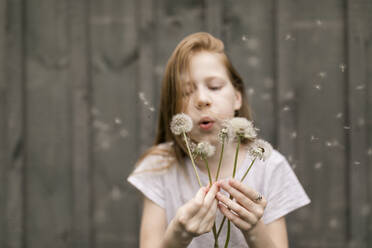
x=211, y=195
x=239, y=223
x=209, y=219
x=193, y=206
x=249, y=192
x=238, y=209
x=208, y=201
x=242, y=199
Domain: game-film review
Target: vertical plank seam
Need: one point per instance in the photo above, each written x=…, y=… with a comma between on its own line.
x=347, y=108
x=24, y=121
x=275, y=66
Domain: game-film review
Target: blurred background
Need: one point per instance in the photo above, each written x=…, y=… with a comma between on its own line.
x=79, y=91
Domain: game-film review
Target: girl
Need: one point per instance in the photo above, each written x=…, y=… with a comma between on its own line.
x=200, y=81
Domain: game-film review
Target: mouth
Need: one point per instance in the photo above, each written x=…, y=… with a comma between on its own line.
x=206, y=123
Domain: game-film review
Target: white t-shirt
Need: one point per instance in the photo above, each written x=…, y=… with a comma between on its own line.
x=170, y=188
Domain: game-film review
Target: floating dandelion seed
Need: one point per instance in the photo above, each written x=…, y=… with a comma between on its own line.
x=318, y=86
x=318, y=165
x=356, y=162
x=294, y=135
x=369, y=152
x=342, y=67
x=286, y=108
x=360, y=87
x=346, y=127
x=313, y=138
x=288, y=37
x=244, y=38
x=145, y=102
x=319, y=22
x=250, y=91
x=339, y=115
x=322, y=74
x=333, y=223
x=118, y=121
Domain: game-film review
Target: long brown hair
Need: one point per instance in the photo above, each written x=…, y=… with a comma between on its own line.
x=171, y=92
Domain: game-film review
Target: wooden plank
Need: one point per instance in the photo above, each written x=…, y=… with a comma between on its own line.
x=115, y=54
x=48, y=125
x=360, y=57
x=81, y=140
x=174, y=20
x=311, y=100
x=214, y=17
x=15, y=124
x=3, y=126
x=249, y=36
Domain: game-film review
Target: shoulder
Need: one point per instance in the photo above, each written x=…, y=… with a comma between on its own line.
x=156, y=159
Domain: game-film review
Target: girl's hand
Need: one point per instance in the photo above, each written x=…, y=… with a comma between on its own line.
x=198, y=215
x=247, y=208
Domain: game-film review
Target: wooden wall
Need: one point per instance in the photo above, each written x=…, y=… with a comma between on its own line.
x=79, y=92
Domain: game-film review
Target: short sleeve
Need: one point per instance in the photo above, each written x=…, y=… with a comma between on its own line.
x=283, y=191
x=148, y=178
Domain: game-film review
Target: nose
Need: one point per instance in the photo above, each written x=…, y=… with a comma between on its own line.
x=202, y=98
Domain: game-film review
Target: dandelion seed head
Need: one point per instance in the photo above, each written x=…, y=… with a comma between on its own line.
x=243, y=128
x=205, y=149
x=260, y=149
x=181, y=123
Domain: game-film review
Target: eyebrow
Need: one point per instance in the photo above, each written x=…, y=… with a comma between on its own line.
x=211, y=78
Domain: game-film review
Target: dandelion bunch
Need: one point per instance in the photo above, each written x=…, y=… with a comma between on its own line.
x=182, y=124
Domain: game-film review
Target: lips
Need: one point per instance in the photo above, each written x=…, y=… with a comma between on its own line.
x=206, y=123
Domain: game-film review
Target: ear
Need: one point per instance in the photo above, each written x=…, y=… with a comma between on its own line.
x=238, y=100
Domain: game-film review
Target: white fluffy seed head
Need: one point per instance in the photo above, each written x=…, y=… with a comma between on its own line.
x=181, y=123
x=243, y=128
x=260, y=149
x=205, y=149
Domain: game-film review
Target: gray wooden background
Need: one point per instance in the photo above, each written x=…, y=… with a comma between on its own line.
x=79, y=91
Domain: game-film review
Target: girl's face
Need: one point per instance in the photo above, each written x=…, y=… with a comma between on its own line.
x=210, y=97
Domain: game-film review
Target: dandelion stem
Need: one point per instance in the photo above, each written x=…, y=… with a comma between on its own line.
x=228, y=234
x=221, y=155
x=246, y=173
x=209, y=172
x=192, y=158
x=236, y=156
